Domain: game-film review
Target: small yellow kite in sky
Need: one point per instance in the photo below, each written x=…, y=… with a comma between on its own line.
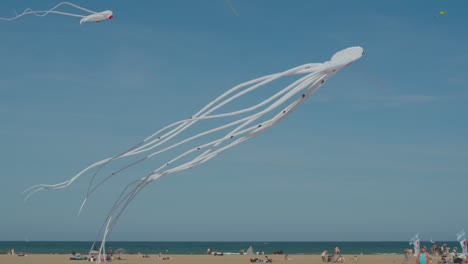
x=440, y=13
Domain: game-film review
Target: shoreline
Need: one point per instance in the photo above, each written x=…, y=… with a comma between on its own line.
x=201, y=259
x=225, y=254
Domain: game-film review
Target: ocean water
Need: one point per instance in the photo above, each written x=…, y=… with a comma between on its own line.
x=61, y=247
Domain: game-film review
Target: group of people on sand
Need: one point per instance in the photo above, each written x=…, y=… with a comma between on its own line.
x=13, y=252
x=443, y=251
x=159, y=257
x=265, y=260
x=336, y=258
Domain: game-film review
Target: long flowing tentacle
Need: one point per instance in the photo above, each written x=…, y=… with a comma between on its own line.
x=185, y=124
x=228, y=2
x=52, y=10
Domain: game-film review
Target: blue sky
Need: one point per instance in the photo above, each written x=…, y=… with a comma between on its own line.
x=378, y=153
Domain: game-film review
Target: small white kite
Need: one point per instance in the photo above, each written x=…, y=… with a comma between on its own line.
x=95, y=16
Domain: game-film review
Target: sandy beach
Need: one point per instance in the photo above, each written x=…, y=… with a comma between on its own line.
x=200, y=259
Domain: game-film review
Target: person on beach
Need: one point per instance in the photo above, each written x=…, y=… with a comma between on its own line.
x=340, y=259
x=324, y=255
x=423, y=256
x=337, y=251
x=434, y=250
x=355, y=260
x=406, y=255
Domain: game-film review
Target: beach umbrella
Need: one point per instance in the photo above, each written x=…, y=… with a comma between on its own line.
x=120, y=251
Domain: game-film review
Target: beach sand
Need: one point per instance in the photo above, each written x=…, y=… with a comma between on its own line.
x=201, y=259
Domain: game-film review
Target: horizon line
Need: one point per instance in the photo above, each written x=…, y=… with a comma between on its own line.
x=233, y=241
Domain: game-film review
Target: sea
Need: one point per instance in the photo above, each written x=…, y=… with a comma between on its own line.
x=197, y=248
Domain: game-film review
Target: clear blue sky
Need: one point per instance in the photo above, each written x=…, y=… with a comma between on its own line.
x=379, y=153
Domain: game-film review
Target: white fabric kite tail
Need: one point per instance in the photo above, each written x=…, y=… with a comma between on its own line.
x=95, y=16
x=228, y=2
x=317, y=71
x=182, y=125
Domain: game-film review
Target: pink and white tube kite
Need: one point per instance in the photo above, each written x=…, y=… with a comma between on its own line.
x=94, y=16
x=245, y=124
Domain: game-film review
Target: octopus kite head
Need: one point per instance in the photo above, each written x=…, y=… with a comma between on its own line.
x=98, y=17
x=347, y=56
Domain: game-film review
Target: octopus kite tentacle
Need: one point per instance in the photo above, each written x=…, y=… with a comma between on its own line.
x=228, y=2
x=95, y=16
x=240, y=130
x=185, y=124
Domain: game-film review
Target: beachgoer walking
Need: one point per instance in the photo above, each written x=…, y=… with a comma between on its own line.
x=406, y=255
x=434, y=250
x=337, y=251
x=423, y=256
x=355, y=260
x=324, y=255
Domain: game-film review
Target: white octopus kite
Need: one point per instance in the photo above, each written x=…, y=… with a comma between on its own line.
x=95, y=16
x=247, y=125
